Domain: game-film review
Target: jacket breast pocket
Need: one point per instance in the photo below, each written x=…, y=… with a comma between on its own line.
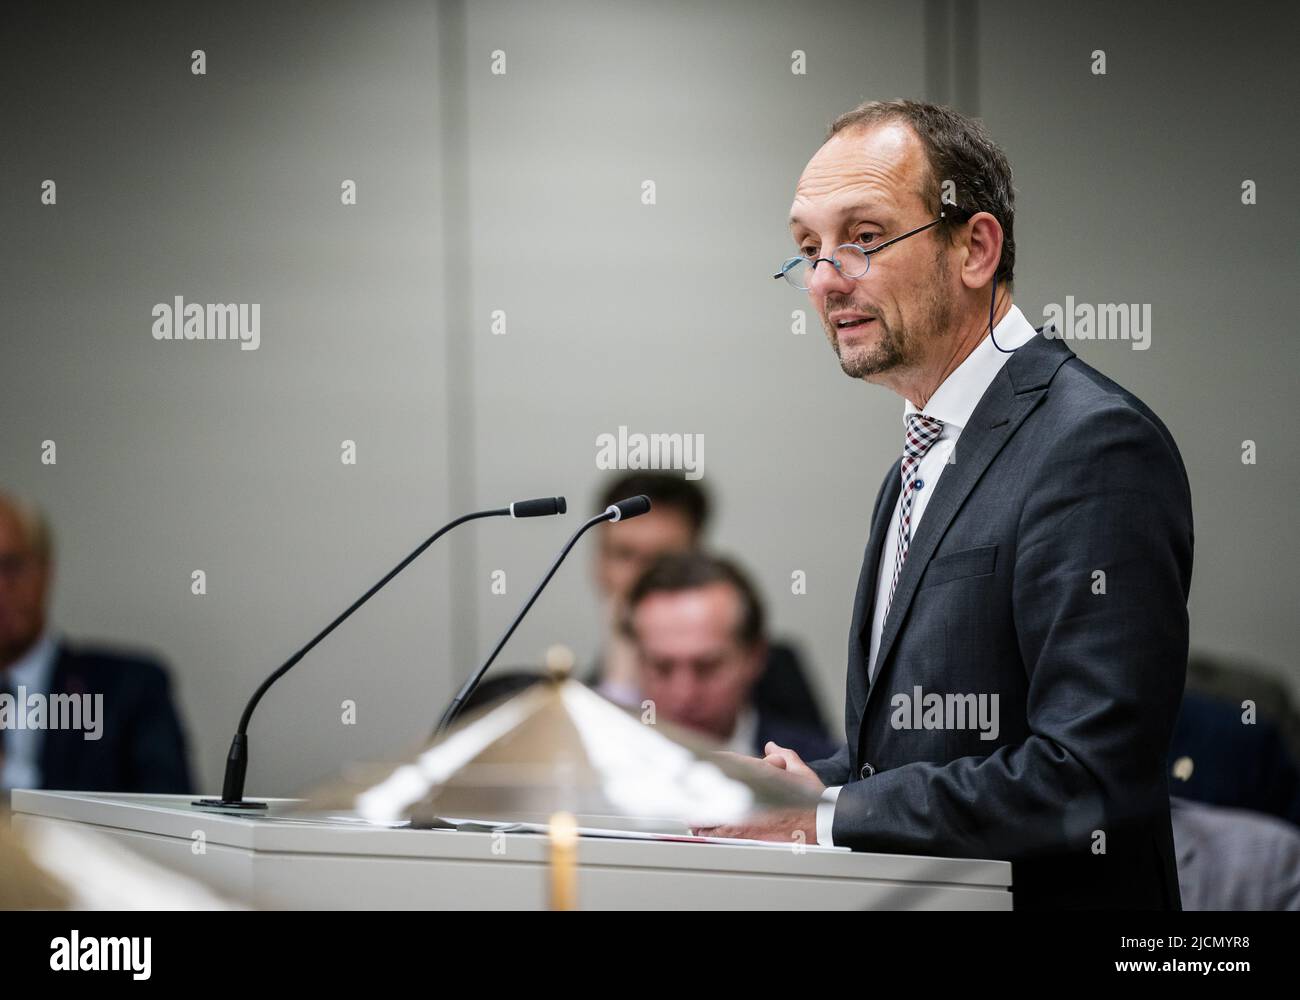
x=960, y=565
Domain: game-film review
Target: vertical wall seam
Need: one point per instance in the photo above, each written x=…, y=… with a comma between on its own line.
x=459, y=429
x=951, y=51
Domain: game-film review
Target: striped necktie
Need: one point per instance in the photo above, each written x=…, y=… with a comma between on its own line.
x=922, y=432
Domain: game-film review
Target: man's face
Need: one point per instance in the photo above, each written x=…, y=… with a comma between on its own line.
x=692, y=666
x=24, y=581
x=864, y=186
x=628, y=548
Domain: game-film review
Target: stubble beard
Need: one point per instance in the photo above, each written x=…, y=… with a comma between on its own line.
x=897, y=347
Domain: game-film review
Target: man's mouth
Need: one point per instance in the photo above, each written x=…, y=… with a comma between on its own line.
x=851, y=321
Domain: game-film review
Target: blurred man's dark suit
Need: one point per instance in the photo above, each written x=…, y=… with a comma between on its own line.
x=142, y=748
x=807, y=742
x=1060, y=474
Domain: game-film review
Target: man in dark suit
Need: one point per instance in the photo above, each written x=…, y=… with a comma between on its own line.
x=675, y=523
x=697, y=626
x=141, y=747
x=115, y=729
x=1019, y=634
x=1217, y=759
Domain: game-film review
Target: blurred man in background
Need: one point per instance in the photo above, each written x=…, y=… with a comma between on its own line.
x=676, y=523
x=697, y=629
x=136, y=745
x=676, y=519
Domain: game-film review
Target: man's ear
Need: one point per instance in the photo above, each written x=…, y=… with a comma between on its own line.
x=624, y=622
x=983, y=250
x=758, y=652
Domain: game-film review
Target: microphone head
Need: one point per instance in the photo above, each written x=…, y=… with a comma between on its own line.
x=631, y=507
x=538, y=508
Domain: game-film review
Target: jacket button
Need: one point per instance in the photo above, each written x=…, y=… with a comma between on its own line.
x=866, y=771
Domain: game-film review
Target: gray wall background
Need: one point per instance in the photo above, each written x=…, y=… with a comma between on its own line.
x=521, y=192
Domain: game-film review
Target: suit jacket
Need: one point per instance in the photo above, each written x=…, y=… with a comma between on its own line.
x=807, y=742
x=783, y=690
x=142, y=747
x=1233, y=765
x=1060, y=475
x=1233, y=680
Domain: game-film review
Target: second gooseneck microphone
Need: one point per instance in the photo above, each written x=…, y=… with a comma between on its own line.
x=232, y=788
x=621, y=511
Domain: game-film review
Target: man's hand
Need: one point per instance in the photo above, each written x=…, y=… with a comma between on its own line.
x=784, y=825
x=789, y=762
x=787, y=826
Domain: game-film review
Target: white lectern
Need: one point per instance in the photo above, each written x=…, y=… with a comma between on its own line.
x=276, y=862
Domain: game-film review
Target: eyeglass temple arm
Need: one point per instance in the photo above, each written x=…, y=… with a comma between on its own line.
x=890, y=243
x=953, y=210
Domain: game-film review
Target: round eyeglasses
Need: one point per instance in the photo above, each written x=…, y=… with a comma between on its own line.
x=849, y=259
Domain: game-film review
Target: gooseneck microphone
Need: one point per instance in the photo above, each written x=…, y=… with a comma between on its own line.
x=621, y=511
x=232, y=788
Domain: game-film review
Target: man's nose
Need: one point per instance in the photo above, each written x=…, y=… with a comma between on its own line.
x=824, y=277
x=682, y=689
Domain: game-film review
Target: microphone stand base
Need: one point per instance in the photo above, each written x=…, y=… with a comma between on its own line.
x=239, y=805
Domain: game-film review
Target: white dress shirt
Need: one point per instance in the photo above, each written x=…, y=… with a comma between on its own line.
x=745, y=732
x=953, y=403
x=34, y=673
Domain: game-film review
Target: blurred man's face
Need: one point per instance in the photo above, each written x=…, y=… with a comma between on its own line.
x=24, y=581
x=692, y=666
x=864, y=186
x=627, y=548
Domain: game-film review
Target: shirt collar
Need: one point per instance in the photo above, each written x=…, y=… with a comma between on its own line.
x=33, y=671
x=956, y=398
x=745, y=732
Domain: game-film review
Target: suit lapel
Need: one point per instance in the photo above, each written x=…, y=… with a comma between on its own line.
x=1015, y=391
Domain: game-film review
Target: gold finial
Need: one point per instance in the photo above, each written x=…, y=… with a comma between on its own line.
x=564, y=861
x=559, y=662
